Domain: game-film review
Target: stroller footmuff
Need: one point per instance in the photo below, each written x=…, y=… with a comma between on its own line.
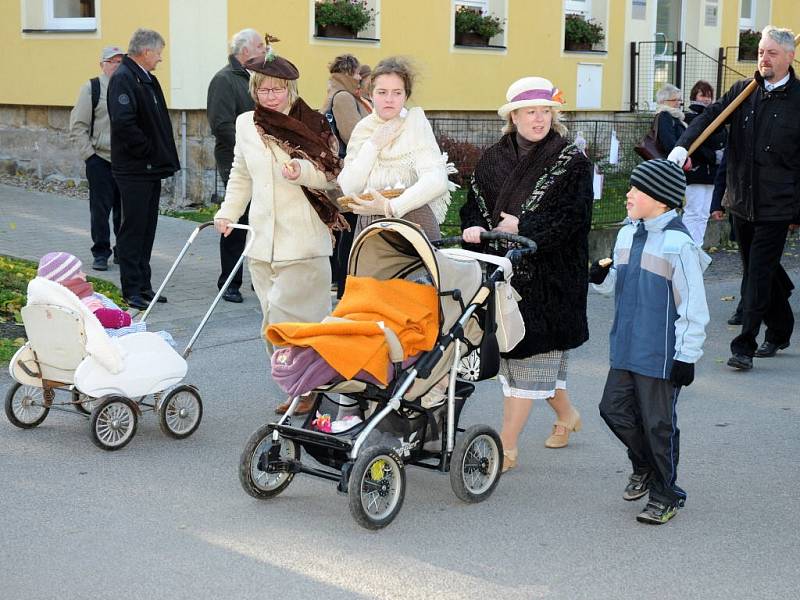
x=363, y=429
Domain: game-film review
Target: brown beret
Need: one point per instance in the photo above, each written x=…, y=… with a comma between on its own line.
x=273, y=66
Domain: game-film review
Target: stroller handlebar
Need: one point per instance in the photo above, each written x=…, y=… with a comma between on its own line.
x=486, y=236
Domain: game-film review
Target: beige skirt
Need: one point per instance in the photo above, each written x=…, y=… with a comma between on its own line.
x=422, y=216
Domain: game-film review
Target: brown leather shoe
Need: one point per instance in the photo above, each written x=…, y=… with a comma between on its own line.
x=561, y=430
x=303, y=407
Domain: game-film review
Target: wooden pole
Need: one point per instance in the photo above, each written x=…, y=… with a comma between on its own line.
x=712, y=127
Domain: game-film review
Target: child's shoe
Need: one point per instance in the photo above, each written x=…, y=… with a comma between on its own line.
x=638, y=486
x=657, y=513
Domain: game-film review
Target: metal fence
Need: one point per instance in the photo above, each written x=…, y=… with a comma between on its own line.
x=464, y=140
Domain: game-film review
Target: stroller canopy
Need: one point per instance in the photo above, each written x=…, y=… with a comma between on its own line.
x=396, y=249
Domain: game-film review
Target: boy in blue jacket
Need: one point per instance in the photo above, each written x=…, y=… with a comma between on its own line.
x=658, y=333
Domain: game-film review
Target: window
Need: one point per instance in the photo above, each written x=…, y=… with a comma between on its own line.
x=747, y=14
x=585, y=25
x=493, y=13
x=639, y=10
x=712, y=13
x=69, y=14
x=338, y=29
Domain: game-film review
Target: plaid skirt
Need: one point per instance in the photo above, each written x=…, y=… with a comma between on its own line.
x=537, y=377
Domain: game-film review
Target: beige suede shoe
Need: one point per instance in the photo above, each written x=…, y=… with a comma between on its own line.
x=509, y=459
x=560, y=440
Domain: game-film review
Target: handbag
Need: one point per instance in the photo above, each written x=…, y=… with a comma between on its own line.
x=649, y=147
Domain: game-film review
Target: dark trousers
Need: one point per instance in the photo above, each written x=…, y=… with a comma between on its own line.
x=104, y=201
x=765, y=285
x=230, y=249
x=341, y=253
x=137, y=232
x=640, y=411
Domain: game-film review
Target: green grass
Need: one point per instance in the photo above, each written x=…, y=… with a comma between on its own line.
x=15, y=273
x=201, y=215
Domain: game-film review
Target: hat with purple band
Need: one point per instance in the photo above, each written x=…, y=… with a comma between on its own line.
x=530, y=91
x=59, y=266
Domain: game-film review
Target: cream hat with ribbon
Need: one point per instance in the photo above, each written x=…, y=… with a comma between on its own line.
x=530, y=91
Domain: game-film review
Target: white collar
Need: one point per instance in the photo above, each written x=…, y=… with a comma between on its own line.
x=771, y=86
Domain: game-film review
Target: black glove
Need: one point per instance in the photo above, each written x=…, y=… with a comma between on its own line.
x=597, y=274
x=682, y=374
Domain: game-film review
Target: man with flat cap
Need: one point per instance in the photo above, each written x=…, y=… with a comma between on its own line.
x=90, y=132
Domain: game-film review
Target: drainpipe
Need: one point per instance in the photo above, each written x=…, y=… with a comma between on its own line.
x=183, y=158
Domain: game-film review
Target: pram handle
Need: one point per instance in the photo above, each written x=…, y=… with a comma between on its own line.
x=487, y=236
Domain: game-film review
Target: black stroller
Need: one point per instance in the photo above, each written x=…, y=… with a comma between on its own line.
x=400, y=424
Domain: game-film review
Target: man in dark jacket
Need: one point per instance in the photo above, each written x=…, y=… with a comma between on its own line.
x=763, y=184
x=228, y=97
x=142, y=154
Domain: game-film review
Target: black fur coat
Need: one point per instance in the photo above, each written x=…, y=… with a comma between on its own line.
x=553, y=282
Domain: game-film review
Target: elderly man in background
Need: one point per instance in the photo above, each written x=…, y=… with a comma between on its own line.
x=228, y=97
x=142, y=154
x=763, y=163
x=90, y=132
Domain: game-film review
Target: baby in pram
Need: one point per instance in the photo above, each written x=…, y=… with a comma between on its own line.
x=66, y=269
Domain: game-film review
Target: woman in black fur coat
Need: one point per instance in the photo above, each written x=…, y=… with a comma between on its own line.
x=534, y=183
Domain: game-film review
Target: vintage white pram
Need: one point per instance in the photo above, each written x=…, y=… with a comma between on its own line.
x=398, y=428
x=110, y=381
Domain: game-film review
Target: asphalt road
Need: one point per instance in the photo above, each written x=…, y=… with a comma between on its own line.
x=168, y=519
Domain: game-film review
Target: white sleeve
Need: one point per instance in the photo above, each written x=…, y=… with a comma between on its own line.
x=358, y=164
x=690, y=302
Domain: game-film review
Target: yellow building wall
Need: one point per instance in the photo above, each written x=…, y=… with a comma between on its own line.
x=48, y=68
x=785, y=13
x=449, y=79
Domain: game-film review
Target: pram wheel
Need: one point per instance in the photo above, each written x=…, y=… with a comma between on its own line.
x=113, y=422
x=25, y=406
x=180, y=412
x=377, y=487
x=83, y=403
x=260, y=484
x=475, y=464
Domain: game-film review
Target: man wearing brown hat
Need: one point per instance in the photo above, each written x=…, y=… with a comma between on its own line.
x=90, y=132
x=142, y=154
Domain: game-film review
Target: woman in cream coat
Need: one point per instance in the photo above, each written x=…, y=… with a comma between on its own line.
x=282, y=160
x=395, y=147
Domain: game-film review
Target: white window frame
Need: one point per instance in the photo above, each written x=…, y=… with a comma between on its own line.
x=578, y=7
x=483, y=5
x=750, y=22
x=53, y=22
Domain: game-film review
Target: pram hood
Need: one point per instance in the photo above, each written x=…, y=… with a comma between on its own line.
x=394, y=248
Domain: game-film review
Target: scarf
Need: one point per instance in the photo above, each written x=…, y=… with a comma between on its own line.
x=305, y=134
x=674, y=112
x=506, y=180
x=79, y=286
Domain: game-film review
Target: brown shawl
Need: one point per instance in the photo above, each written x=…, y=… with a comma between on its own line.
x=507, y=180
x=305, y=134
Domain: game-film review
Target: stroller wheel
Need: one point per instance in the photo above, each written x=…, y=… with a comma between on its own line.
x=261, y=484
x=180, y=412
x=377, y=487
x=25, y=406
x=113, y=422
x=83, y=403
x=475, y=464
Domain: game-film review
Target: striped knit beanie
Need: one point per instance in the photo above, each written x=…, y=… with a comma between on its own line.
x=661, y=179
x=59, y=266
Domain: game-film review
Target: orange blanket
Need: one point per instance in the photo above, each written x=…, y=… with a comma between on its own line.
x=409, y=309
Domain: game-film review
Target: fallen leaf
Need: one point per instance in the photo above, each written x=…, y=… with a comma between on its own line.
x=728, y=298
x=12, y=226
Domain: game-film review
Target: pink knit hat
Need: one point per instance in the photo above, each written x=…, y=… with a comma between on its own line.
x=59, y=266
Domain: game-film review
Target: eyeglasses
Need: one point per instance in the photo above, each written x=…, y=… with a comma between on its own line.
x=279, y=91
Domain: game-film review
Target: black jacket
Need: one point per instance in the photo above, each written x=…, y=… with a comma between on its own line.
x=142, y=142
x=553, y=282
x=704, y=159
x=763, y=152
x=668, y=130
x=228, y=97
